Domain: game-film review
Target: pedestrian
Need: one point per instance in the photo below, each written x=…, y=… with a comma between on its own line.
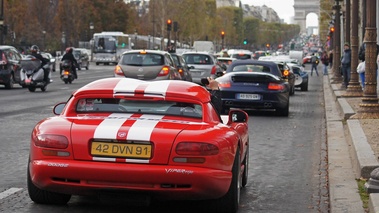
x=325, y=62
x=361, y=71
x=314, y=61
x=330, y=58
x=346, y=64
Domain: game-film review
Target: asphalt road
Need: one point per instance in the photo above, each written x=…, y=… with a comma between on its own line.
x=287, y=155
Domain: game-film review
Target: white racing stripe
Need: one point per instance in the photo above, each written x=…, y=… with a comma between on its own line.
x=109, y=127
x=143, y=127
x=160, y=88
x=9, y=192
x=127, y=85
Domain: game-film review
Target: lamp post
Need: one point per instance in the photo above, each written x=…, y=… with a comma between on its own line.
x=369, y=108
x=91, y=27
x=44, y=38
x=354, y=89
x=337, y=78
x=135, y=38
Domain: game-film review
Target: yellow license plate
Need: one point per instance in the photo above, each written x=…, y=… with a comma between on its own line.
x=121, y=150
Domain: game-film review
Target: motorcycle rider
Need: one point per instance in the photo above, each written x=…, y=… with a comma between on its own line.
x=69, y=56
x=35, y=52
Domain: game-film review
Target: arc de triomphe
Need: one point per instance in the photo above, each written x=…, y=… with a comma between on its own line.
x=302, y=8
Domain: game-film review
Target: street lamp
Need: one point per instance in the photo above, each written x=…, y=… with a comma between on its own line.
x=135, y=38
x=337, y=78
x=91, y=27
x=44, y=37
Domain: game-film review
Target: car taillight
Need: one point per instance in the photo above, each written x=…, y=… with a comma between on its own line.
x=275, y=86
x=181, y=71
x=164, y=71
x=51, y=141
x=214, y=69
x=118, y=70
x=196, y=149
x=224, y=84
x=286, y=73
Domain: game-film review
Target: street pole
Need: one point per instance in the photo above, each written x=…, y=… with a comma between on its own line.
x=354, y=89
x=369, y=108
x=2, y=23
x=337, y=78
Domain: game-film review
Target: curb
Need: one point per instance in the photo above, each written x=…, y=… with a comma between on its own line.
x=343, y=188
x=362, y=156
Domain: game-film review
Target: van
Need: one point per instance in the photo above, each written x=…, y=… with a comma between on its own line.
x=204, y=46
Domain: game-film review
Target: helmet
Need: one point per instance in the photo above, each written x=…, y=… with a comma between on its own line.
x=69, y=50
x=34, y=48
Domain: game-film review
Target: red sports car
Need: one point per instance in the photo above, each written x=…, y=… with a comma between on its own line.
x=162, y=139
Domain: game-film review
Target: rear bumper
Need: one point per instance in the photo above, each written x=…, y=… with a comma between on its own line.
x=279, y=100
x=162, y=181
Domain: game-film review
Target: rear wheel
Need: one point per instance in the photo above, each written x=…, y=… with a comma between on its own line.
x=9, y=85
x=31, y=89
x=44, y=197
x=304, y=87
x=230, y=201
x=283, y=111
x=43, y=89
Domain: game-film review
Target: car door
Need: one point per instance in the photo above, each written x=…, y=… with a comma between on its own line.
x=14, y=59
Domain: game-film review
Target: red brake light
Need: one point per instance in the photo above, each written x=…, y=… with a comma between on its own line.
x=196, y=148
x=224, y=84
x=165, y=71
x=213, y=70
x=274, y=86
x=51, y=141
x=118, y=71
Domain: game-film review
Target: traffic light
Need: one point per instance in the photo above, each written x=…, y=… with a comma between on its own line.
x=175, y=26
x=245, y=41
x=331, y=29
x=222, y=34
x=169, y=24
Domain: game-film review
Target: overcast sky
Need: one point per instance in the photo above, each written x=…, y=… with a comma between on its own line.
x=284, y=8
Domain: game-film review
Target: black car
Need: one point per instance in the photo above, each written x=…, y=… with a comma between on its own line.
x=182, y=67
x=9, y=66
x=256, y=85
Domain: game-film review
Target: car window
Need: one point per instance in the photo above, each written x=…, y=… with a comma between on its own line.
x=251, y=68
x=198, y=59
x=137, y=59
x=176, y=60
x=115, y=105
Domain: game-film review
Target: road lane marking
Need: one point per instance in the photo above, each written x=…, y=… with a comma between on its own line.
x=9, y=192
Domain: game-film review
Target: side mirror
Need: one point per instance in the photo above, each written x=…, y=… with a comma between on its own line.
x=238, y=116
x=59, y=108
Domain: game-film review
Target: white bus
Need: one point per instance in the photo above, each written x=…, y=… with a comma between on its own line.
x=107, y=47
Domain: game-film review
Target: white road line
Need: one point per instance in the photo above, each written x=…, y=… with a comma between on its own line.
x=8, y=192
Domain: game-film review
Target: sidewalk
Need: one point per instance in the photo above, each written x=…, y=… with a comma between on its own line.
x=352, y=150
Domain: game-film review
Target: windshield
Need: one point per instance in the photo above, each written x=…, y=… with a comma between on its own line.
x=105, y=44
x=96, y=105
x=142, y=59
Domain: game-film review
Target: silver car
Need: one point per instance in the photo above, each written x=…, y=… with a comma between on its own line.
x=201, y=65
x=147, y=65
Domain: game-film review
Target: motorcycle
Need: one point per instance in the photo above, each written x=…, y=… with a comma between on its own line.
x=32, y=74
x=67, y=75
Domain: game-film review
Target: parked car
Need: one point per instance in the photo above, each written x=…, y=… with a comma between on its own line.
x=82, y=57
x=147, y=65
x=9, y=66
x=143, y=139
x=182, y=67
x=51, y=58
x=254, y=84
x=202, y=65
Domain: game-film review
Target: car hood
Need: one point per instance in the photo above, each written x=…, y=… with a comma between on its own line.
x=158, y=130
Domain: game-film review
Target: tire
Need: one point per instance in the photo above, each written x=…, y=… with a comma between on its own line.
x=9, y=85
x=97, y=63
x=304, y=87
x=31, y=89
x=45, y=197
x=245, y=173
x=283, y=111
x=230, y=201
x=292, y=92
x=87, y=66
